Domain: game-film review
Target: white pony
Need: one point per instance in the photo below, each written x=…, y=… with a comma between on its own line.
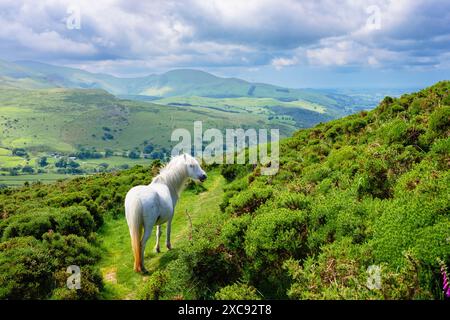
x=154, y=204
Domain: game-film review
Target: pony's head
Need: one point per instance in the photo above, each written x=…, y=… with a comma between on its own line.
x=193, y=168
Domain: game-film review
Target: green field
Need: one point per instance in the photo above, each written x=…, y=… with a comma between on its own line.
x=244, y=104
x=88, y=165
x=43, y=177
x=65, y=120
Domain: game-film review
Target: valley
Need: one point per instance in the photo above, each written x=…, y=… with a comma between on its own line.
x=57, y=112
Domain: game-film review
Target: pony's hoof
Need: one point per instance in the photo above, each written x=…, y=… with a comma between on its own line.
x=145, y=271
x=169, y=246
x=157, y=250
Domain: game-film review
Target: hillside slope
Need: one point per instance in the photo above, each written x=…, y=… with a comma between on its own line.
x=358, y=210
x=65, y=120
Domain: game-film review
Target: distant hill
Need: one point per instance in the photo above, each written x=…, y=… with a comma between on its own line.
x=65, y=120
x=175, y=83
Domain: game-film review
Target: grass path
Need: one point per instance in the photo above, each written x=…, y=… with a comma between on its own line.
x=116, y=265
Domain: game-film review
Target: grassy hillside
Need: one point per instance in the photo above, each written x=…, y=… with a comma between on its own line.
x=366, y=192
x=64, y=120
x=369, y=191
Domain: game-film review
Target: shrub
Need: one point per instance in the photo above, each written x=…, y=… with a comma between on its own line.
x=440, y=119
x=237, y=291
x=201, y=268
x=373, y=179
x=272, y=238
x=416, y=106
x=341, y=272
x=248, y=201
x=91, y=285
x=152, y=289
x=31, y=224
x=337, y=157
x=413, y=223
x=231, y=190
x=195, y=187
x=26, y=268
x=293, y=201
x=70, y=250
x=276, y=235
x=394, y=131
x=233, y=233
x=75, y=220
x=233, y=171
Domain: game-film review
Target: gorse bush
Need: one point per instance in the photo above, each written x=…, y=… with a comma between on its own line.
x=153, y=287
x=33, y=269
x=237, y=291
x=440, y=119
x=248, y=201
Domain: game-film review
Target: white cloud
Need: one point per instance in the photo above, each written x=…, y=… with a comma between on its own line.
x=280, y=63
x=198, y=33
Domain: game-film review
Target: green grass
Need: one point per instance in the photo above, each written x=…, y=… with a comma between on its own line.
x=115, y=161
x=5, y=152
x=89, y=165
x=43, y=177
x=245, y=104
x=64, y=120
x=9, y=161
x=121, y=282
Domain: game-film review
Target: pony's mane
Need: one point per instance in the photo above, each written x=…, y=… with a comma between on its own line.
x=174, y=173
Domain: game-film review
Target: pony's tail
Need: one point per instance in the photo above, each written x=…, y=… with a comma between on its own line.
x=133, y=210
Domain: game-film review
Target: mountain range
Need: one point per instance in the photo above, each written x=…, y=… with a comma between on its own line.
x=174, y=83
x=46, y=108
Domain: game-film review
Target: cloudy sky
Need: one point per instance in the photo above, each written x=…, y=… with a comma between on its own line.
x=308, y=43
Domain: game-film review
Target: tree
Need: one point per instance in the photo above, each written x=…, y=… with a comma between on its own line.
x=61, y=163
x=103, y=166
x=73, y=164
x=42, y=161
x=27, y=169
x=20, y=152
x=135, y=154
x=148, y=148
x=108, y=153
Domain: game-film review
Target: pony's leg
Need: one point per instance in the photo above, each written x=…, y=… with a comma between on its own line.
x=145, y=237
x=158, y=235
x=169, y=227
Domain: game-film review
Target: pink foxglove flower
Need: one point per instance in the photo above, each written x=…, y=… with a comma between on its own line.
x=445, y=282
